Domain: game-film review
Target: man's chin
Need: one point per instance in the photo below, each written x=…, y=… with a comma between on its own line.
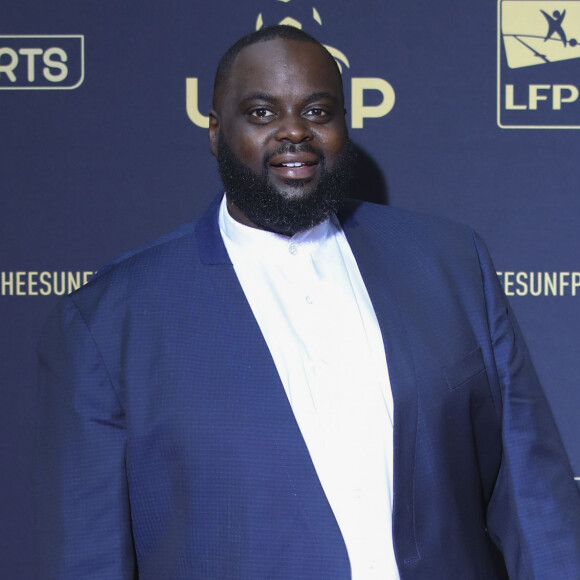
x=294, y=188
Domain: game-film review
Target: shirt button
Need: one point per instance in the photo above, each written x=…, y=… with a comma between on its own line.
x=293, y=249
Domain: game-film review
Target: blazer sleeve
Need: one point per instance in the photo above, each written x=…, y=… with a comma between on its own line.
x=83, y=528
x=534, y=512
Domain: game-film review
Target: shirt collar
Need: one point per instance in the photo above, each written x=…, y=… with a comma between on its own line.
x=264, y=245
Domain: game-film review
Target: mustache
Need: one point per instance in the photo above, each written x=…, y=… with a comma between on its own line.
x=292, y=148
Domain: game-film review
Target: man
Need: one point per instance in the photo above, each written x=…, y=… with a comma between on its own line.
x=294, y=387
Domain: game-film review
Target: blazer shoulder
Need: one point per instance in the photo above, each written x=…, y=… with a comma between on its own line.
x=166, y=244
x=389, y=221
x=175, y=249
x=153, y=265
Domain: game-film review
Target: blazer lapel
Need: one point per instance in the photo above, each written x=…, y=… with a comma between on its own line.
x=269, y=403
x=380, y=266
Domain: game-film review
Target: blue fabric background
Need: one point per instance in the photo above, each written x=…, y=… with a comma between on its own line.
x=91, y=172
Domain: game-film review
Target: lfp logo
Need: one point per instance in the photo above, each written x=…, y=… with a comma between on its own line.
x=538, y=80
x=382, y=94
x=41, y=62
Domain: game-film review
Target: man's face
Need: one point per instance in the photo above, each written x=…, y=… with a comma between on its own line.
x=280, y=114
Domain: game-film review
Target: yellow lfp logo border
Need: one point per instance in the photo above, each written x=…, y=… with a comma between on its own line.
x=534, y=34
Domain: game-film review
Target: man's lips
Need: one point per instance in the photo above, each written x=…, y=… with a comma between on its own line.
x=294, y=165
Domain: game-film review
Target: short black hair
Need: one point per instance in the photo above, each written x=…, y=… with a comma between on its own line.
x=262, y=35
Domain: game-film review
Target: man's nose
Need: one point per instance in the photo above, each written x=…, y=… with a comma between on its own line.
x=293, y=128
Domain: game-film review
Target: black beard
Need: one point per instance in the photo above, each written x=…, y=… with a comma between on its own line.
x=270, y=209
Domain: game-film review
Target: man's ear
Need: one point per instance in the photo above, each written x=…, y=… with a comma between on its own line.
x=214, y=130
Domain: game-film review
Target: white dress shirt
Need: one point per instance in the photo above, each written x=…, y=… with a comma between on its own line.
x=315, y=314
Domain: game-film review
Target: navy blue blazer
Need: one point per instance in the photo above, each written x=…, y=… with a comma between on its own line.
x=167, y=448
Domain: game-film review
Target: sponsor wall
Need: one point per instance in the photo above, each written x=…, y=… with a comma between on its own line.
x=469, y=112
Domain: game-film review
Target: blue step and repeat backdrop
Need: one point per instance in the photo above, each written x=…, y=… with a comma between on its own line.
x=469, y=111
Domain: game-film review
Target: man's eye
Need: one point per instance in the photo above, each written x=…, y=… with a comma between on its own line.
x=317, y=112
x=261, y=113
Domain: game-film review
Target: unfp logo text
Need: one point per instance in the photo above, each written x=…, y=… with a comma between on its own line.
x=374, y=88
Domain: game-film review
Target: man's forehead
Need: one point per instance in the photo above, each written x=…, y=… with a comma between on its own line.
x=266, y=62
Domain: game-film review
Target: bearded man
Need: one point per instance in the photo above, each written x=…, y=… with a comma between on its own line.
x=296, y=386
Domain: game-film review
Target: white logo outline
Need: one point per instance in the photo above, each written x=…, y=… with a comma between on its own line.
x=81, y=37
